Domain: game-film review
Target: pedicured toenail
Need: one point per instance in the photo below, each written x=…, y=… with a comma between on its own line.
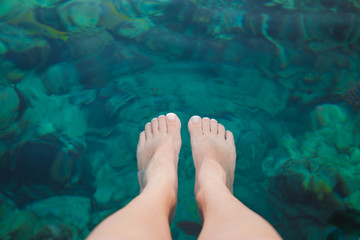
x=195, y=119
x=170, y=116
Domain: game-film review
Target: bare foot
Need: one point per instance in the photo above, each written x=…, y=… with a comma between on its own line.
x=213, y=151
x=158, y=154
x=224, y=216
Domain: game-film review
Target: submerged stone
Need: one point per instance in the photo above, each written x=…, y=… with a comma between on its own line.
x=85, y=44
x=3, y=48
x=73, y=211
x=60, y=78
x=16, y=223
x=10, y=106
x=79, y=15
x=45, y=3
x=33, y=57
x=32, y=161
x=353, y=200
x=330, y=115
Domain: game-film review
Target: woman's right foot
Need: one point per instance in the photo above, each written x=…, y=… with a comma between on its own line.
x=214, y=154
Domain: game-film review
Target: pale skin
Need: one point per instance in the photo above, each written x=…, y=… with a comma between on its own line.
x=149, y=214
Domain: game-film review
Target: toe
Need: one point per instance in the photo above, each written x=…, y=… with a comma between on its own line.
x=148, y=131
x=155, y=125
x=142, y=138
x=173, y=123
x=221, y=130
x=162, y=124
x=213, y=126
x=229, y=136
x=206, y=125
x=195, y=126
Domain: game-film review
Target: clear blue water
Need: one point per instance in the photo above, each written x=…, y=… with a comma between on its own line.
x=79, y=79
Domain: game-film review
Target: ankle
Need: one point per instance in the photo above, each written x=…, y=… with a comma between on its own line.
x=211, y=196
x=162, y=195
x=210, y=174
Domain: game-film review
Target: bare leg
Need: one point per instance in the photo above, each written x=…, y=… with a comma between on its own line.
x=147, y=216
x=225, y=217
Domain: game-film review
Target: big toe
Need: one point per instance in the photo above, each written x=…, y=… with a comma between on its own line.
x=173, y=123
x=195, y=126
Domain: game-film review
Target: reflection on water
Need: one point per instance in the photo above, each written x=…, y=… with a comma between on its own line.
x=79, y=79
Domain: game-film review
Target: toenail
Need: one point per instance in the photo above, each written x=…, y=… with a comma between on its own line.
x=170, y=116
x=195, y=119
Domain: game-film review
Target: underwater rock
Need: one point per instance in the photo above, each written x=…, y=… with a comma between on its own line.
x=54, y=229
x=15, y=75
x=11, y=8
x=110, y=190
x=16, y=39
x=26, y=50
x=115, y=60
x=328, y=115
x=64, y=169
x=11, y=71
x=31, y=161
x=9, y=111
x=3, y=48
x=353, y=201
x=4, y=154
x=73, y=211
x=93, y=73
x=53, y=115
x=60, y=78
x=32, y=57
x=257, y=91
x=142, y=8
x=121, y=23
x=16, y=223
x=355, y=155
x=133, y=28
x=85, y=44
x=352, y=95
x=50, y=18
x=347, y=220
x=45, y=3
x=108, y=187
x=302, y=181
x=331, y=124
x=319, y=166
x=79, y=15
x=44, y=162
x=308, y=85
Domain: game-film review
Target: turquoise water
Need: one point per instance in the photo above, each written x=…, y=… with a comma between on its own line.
x=79, y=79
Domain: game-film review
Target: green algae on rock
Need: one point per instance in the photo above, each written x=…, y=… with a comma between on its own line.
x=323, y=161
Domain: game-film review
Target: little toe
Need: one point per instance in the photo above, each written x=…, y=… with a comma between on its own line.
x=195, y=126
x=148, y=130
x=162, y=124
x=206, y=125
x=173, y=123
x=229, y=136
x=155, y=125
x=142, y=138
